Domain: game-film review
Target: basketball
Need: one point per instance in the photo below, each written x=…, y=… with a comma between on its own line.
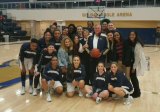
x=95, y=53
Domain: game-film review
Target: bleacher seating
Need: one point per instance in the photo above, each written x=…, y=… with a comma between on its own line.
x=9, y=27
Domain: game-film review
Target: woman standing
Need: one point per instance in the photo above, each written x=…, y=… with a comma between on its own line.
x=84, y=54
x=76, y=45
x=134, y=61
x=65, y=53
x=46, y=40
x=111, y=53
x=119, y=49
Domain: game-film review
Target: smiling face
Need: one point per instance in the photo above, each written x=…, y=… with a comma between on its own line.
x=65, y=31
x=79, y=30
x=85, y=34
x=70, y=29
x=76, y=40
x=104, y=26
x=100, y=67
x=50, y=49
x=47, y=36
x=33, y=46
x=76, y=61
x=67, y=43
x=110, y=26
x=54, y=61
x=97, y=29
x=132, y=36
x=53, y=27
x=114, y=68
x=117, y=36
x=110, y=36
x=57, y=34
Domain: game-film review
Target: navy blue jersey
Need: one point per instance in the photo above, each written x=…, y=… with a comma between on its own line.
x=57, y=44
x=118, y=80
x=52, y=74
x=42, y=44
x=26, y=52
x=45, y=58
x=100, y=82
x=76, y=74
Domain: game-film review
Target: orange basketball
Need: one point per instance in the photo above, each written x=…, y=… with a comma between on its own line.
x=95, y=53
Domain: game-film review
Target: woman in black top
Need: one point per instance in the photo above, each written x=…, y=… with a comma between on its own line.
x=129, y=59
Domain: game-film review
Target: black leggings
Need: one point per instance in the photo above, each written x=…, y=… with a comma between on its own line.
x=36, y=81
x=135, y=84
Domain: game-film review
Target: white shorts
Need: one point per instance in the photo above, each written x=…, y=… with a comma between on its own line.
x=70, y=87
x=28, y=63
x=56, y=84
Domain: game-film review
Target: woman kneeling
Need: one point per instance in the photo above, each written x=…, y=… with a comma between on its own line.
x=118, y=82
x=51, y=78
x=75, y=77
x=98, y=90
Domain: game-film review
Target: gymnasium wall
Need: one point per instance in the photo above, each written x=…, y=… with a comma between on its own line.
x=151, y=13
x=144, y=20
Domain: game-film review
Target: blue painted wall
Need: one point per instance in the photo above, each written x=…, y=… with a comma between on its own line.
x=145, y=34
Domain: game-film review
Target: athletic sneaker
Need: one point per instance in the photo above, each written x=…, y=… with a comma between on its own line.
x=88, y=95
x=98, y=100
x=23, y=90
x=30, y=90
x=80, y=93
x=128, y=100
x=38, y=87
x=49, y=97
x=34, y=92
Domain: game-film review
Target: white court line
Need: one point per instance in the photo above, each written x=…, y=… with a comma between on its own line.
x=151, y=92
x=10, y=43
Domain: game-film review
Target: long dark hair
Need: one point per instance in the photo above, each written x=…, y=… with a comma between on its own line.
x=72, y=66
x=121, y=38
x=46, y=31
x=137, y=39
x=74, y=28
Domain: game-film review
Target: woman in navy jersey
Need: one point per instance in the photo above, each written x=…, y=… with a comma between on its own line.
x=45, y=58
x=99, y=88
x=47, y=39
x=75, y=77
x=28, y=56
x=52, y=77
x=57, y=39
x=118, y=82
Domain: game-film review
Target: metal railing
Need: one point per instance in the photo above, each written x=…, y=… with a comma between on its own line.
x=79, y=4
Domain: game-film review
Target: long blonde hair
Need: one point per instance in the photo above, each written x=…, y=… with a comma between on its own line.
x=63, y=44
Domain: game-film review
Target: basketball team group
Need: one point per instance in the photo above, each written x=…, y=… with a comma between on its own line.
x=94, y=62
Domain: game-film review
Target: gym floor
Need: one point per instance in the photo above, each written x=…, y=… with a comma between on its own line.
x=12, y=101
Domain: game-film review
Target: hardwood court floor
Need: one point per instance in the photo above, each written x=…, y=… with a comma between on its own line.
x=12, y=101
